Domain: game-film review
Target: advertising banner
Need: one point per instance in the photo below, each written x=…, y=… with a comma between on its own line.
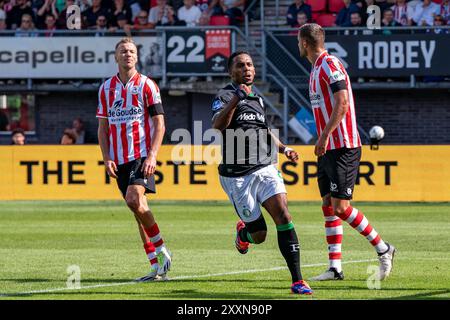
x=198, y=52
x=72, y=57
x=420, y=54
x=392, y=173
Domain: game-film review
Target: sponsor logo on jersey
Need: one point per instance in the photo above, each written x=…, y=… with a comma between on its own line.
x=250, y=117
x=333, y=186
x=349, y=191
x=134, y=90
x=125, y=112
x=118, y=104
x=217, y=104
x=157, y=98
x=337, y=75
x=246, y=212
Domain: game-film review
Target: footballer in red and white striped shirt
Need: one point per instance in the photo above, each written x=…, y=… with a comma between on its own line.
x=338, y=149
x=327, y=76
x=130, y=133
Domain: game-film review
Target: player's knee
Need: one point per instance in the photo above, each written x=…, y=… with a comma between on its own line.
x=326, y=200
x=133, y=202
x=284, y=217
x=259, y=237
x=339, y=210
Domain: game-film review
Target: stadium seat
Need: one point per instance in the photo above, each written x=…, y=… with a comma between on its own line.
x=219, y=21
x=335, y=5
x=326, y=19
x=438, y=1
x=317, y=5
x=314, y=16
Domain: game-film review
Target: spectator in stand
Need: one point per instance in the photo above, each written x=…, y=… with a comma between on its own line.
x=101, y=26
x=14, y=17
x=388, y=19
x=383, y=4
x=3, y=25
x=122, y=24
x=92, y=13
x=82, y=136
x=69, y=137
x=343, y=17
x=445, y=11
x=425, y=12
x=176, y=4
x=120, y=7
x=439, y=21
x=203, y=5
x=61, y=21
x=50, y=25
x=355, y=20
x=26, y=28
x=18, y=137
x=48, y=8
x=232, y=8
x=142, y=22
x=294, y=9
x=403, y=13
x=189, y=13
x=162, y=15
x=302, y=19
x=204, y=19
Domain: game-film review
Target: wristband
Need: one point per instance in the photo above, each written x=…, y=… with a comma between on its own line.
x=286, y=150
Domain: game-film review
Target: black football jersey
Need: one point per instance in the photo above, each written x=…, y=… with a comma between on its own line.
x=247, y=145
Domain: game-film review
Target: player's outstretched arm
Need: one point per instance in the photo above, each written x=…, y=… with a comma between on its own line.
x=290, y=153
x=149, y=166
x=340, y=109
x=103, y=140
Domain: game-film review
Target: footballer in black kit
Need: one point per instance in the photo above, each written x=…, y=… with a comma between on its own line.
x=247, y=172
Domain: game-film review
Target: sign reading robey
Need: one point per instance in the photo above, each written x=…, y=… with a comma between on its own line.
x=392, y=173
x=421, y=54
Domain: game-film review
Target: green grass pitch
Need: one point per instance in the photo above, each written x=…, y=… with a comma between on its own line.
x=39, y=240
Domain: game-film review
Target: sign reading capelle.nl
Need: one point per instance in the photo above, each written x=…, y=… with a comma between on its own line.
x=67, y=57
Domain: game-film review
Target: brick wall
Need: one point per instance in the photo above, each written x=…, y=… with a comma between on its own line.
x=408, y=116
x=56, y=111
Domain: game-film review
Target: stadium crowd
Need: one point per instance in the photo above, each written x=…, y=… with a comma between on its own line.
x=27, y=16
x=353, y=13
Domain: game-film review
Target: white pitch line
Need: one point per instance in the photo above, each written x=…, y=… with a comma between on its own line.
x=210, y=275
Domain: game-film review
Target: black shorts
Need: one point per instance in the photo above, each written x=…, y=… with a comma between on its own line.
x=130, y=174
x=337, y=172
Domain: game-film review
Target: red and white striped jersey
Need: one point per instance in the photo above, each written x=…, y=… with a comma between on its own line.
x=326, y=71
x=128, y=110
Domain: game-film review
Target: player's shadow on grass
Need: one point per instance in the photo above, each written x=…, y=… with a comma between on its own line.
x=425, y=295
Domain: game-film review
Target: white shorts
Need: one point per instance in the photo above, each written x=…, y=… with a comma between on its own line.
x=248, y=192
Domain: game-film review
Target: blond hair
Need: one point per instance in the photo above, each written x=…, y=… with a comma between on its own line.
x=125, y=40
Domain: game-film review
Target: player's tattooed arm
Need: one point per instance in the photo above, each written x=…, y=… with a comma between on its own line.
x=103, y=140
x=340, y=109
x=149, y=166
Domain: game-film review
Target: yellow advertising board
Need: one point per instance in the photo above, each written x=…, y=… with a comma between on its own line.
x=392, y=173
